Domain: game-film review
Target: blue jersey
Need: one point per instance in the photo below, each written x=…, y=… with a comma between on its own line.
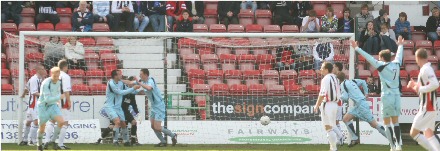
x=50, y=92
x=154, y=95
x=115, y=93
x=389, y=72
x=350, y=89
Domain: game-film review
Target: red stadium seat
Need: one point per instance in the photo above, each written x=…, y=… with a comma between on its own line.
x=414, y=74
x=288, y=74
x=272, y=29
x=257, y=89
x=228, y=66
x=9, y=27
x=233, y=74
x=312, y=89
x=235, y=28
x=246, y=58
x=196, y=73
x=424, y=44
x=210, y=66
x=320, y=9
x=209, y=58
x=251, y=74
x=434, y=62
x=211, y=16
x=217, y=28
x=340, y=58
x=292, y=89
x=3, y=61
x=246, y=66
x=418, y=35
x=242, y=51
x=6, y=73
x=35, y=57
x=28, y=19
x=214, y=74
x=186, y=43
x=200, y=28
x=98, y=89
x=66, y=12
x=265, y=59
x=201, y=88
x=259, y=51
x=262, y=67
x=220, y=51
x=290, y=29
x=87, y=41
x=193, y=82
x=246, y=17
x=410, y=63
x=7, y=89
x=76, y=81
x=238, y=89
x=94, y=73
x=104, y=41
x=307, y=77
x=78, y=73
x=220, y=89
x=26, y=27
x=254, y=29
x=203, y=51
x=101, y=27
x=80, y=89
x=189, y=66
x=275, y=89
x=65, y=20
x=28, y=12
x=63, y=27
x=270, y=74
x=191, y=58
x=338, y=9
x=364, y=74
x=264, y=17
x=45, y=27
x=92, y=60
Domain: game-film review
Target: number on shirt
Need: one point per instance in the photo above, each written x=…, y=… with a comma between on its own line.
x=395, y=73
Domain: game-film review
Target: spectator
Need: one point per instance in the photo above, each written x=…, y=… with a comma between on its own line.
x=140, y=20
x=156, y=12
x=46, y=11
x=174, y=10
x=370, y=39
x=363, y=17
x=228, y=12
x=123, y=10
x=74, y=52
x=329, y=21
x=82, y=20
x=263, y=5
x=285, y=58
x=249, y=4
x=386, y=31
x=346, y=23
x=300, y=10
x=11, y=10
x=53, y=52
x=382, y=18
x=282, y=10
x=403, y=27
x=69, y=4
x=373, y=89
x=101, y=13
x=323, y=52
x=432, y=25
x=184, y=23
x=310, y=23
x=303, y=57
x=197, y=9
x=387, y=38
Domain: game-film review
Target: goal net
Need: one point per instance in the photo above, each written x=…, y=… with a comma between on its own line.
x=216, y=85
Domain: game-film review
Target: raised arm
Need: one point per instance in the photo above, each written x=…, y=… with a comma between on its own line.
x=363, y=84
x=399, y=53
x=375, y=63
x=118, y=91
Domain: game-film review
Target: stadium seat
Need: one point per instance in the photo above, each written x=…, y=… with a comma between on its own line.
x=94, y=76
x=87, y=41
x=98, y=89
x=242, y=51
x=29, y=50
x=265, y=59
x=262, y=67
x=434, y=62
x=28, y=12
x=26, y=27
x=45, y=27
x=251, y=74
x=288, y=74
x=214, y=74
x=307, y=77
x=65, y=20
x=63, y=27
x=272, y=29
x=292, y=89
x=270, y=74
x=320, y=9
x=211, y=5
x=196, y=73
x=189, y=66
x=200, y=100
x=408, y=44
x=9, y=27
x=217, y=28
x=257, y=89
x=101, y=27
x=191, y=58
x=3, y=61
x=210, y=66
x=5, y=73
x=290, y=29
x=424, y=44
x=185, y=51
x=7, y=89
x=228, y=66
x=35, y=57
x=418, y=35
x=92, y=60
x=76, y=81
x=80, y=89
x=340, y=58
x=220, y=51
x=211, y=82
x=246, y=66
x=211, y=16
x=338, y=9
x=186, y=43
x=65, y=12
x=254, y=28
x=312, y=89
x=76, y=73
x=246, y=17
x=28, y=19
x=200, y=28
x=201, y=88
x=410, y=63
x=15, y=72
x=220, y=89
x=246, y=58
x=104, y=41
x=193, y=82
x=233, y=74
x=235, y=28
x=203, y=51
x=259, y=51
x=264, y=17
x=238, y=89
x=109, y=57
x=240, y=42
x=275, y=90
x=414, y=74
x=209, y=58
x=407, y=91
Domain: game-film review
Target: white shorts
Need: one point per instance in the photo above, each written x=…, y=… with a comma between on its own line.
x=328, y=113
x=31, y=114
x=424, y=120
x=339, y=114
x=66, y=114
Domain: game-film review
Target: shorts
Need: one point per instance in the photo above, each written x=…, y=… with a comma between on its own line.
x=362, y=111
x=128, y=116
x=113, y=113
x=425, y=120
x=157, y=116
x=32, y=114
x=339, y=114
x=46, y=113
x=390, y=105
x=328, y=113
x=66, y=114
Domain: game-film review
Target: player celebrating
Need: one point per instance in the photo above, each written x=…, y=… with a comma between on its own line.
x=337, y=67
x=33, y=87
x=426, y=86
x=130, y=100
x=157, y=113
x=47, y=105
x=330, y=90
x=389, y=73
x=361, y=110
x=112, y=107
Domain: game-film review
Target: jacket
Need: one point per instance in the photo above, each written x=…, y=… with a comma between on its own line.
x=200, y=8
x=101, y=8
x=42, y=4
x=432, y=24
x=175, y=8
x=117, y=4
x=326, y=25
x=281, y=7
x=400, y=26
x=139, y=9
x=155, y=7
x=224, y=7
x=300, y=9
x=378, y=21
x=14, y=8
x=87, y=21
x=184, y=25
x=341, y=25
x=74, y=52
x=363, y=19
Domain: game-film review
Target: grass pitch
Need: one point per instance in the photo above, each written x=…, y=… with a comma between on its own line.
x=289, y=147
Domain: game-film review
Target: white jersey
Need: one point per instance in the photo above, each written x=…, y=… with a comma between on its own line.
x=330, y=88
x=428, y=85
x=66, y=86
x=33, y=85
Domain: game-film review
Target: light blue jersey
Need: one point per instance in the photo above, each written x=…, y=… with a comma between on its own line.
x=155, y=96
x=50, y=92
x=390, y=74
x=115, y=93
x=350, y=89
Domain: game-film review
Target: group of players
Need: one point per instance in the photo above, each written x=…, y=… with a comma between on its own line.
x=49, y=107
x=336, y=88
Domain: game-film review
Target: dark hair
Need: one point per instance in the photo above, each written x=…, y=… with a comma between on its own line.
x=145, y=71
x=328, y=66
x=114, y=73
x=421, y=53
x=386, y=55
x=312, y=13
x=366, y=25
x=403, y=14
x=331, y=9
x=346, y=9
x=131, y=78
x=339, y=65
x=364, y=6
x=186, y=11
x=341, y=76
x=62, y=63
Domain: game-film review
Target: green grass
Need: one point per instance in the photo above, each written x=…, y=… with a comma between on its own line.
x=290, y=147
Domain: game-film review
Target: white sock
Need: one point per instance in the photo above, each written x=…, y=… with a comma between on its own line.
x=332, y=138
x=33, y=132
x=62, y=135
x=49, y=132
x=338, y=132
x=434, y=142
x=421, y=139
x=26, y=133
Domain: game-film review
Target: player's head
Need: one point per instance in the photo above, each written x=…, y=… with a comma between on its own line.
x=421, y=56
x=341, y=76
x=55, y=71
x=337, y=67
x=41, y=71
x=370, y=80
x=62, y=64
x=385, y=55
x=116, y=74
x=144, y=74
x=326, y=68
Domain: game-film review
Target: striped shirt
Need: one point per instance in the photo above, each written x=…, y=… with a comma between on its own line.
x=330, y=88
x=33, y=85
x=428, y=85
x=66, y=87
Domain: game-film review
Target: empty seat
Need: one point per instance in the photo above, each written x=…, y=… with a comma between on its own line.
x=76, y=73
x=9, y=27
x=101, y=27
x=200, y=100
x=189, y=66
x=235, y=28
x=7, y=89
x=247, y=58
x=76, y=81
x=214, y=74
x=80, y=89
x=67, y=12
x=210, y=66
x=270, y=74
x=201, y=88
x=26, y=27
x=200, y=28
x=292, y=89
x=264, y=17
x=45, y=27
x=275, y=89
x=246, y=17
x=265, y=59
x=414, y=74
x=272, y=29
x=246, y=66
x=426, y=44
x=65, y=20
x=63, y=27
x=418, y=35
x=186, y=43
x=238, y=89
x=35, y=57
x=27, y=12
x=338, y=9
x=88, y=41
x=94, y=76
x=312, y=89
x=220, y=51
x=196, y=73
x=185, y=51
x=193, y=82
x=98, y=89
x=211, y=16
x=220, y=89
x=92, y=60
x=5, y=73
x=254, y=29
x=307, y=77
x=203, y=51
x=340, y=58
x=242, y=51
x=191, y=58
x=233, y=74
x=410, y=63
x=262, y=67
x=290, y=29
x=228, y=66
x=320, y=9
x=217, y=28
x=257, y=89
x=209, y=58
x=288, y=74
x=104, y=41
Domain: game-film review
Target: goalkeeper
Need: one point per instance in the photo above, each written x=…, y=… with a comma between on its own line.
x=130, y=100
x=361, y=110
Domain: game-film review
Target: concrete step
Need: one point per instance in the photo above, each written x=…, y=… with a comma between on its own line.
x=181, y=103
x=177, y=111
x=173, y=87
x=181, y=118
x=138, y=42
x=142, y=49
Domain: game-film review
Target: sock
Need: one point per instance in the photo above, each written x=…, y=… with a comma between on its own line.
x=381, y=130
x=105, y=132
x=160, y=136
x=351, y=130
x=338, y=134
x=40, y=138
x=62, y=135
x=133, y=130
x=434, y=142
x=124, y=132
x=26, y=133
x=397, y=132
x=421, y=139
x=389, y=134
x=115, y=134
x=167, y=132
x=56, y=133
x=33, y=132
x=332, y=138
x=339, y=128
x=49, y=131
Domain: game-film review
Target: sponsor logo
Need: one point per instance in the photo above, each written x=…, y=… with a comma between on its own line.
x=269, y=139
x=183, y=132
